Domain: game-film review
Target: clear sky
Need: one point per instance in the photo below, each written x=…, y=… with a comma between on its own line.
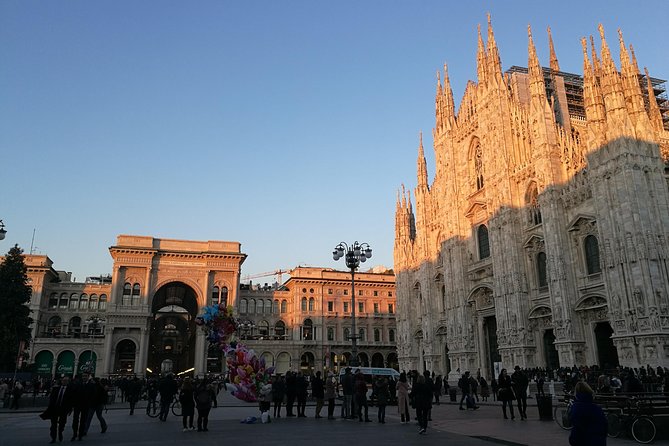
x=285, y=125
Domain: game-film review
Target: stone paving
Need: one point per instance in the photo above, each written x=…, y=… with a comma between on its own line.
x=449, y=426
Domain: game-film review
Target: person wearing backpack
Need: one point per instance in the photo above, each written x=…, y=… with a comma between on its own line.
x=204, y=395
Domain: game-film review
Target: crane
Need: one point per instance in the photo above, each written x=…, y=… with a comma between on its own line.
x=279, y=273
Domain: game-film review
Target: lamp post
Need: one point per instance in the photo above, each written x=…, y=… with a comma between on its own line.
x=355, y=254
x=93, y=324
x=247, y=326
x=3, y=231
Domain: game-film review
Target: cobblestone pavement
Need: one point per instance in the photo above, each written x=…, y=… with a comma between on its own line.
x=449, y=426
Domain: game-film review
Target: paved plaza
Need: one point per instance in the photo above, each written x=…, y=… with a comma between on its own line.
x=450, y=426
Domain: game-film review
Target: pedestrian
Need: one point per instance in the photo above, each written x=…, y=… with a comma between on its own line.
x=99, y=403
x=302, y=386
x=402, y=387
x=187, y=400
x=4, y=392
x=331, y=394
x=60, y=405
x=151, y=397
x=347, y=385
x=291, y=392
x=167, y=389
x=17, y=391
x=506, y=395
x=520, y=383
x=382, y=396
x=437, y=389
x=540, y=385
x=278, y=393
x=318, y=392
x=589, y=425
x=132, y=393
x=81, y=401
x=494, y=387
x=360, y=391
x=265, y=401
x=421, y=394
x=204, y=396
x=474, y=385
x=465, y=385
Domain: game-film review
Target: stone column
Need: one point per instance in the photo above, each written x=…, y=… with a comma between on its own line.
x=142, y=353
x=200, y=357
x=482, y=347
x=106, y=366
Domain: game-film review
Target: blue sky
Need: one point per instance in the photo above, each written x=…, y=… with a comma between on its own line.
x=286, y=126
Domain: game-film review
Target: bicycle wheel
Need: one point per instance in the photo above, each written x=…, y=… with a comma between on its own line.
x=561, y=415
x=614, y=424
x=176, y=408
x=643, y=430
x=153, y=407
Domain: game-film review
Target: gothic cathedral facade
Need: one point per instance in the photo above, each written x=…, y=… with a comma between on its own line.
x=543, y=239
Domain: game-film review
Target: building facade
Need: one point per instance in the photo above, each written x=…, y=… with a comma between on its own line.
x=542, y=239
x=305, y=324
x=141, y=318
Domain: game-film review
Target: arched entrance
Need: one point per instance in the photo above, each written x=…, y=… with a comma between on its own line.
x=393, y=362
x=363, y=360
x=606, y=351
x=173, y=329
x=492, y=350
x=377, y=360
x=44, y=363
x=307, y=362
x=552, y=359
x=65, y=363
x=282, y=362
x=125, y=357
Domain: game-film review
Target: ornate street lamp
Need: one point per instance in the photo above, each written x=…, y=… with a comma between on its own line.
x=246, y=327
x=354, y=254
x=3, y=231
x=93, y=322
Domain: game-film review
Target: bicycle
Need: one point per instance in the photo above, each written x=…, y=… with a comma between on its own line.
x=562, y=412
x=633, y=419
x=153, y=407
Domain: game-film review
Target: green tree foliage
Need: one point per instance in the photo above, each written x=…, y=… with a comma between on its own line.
x=15, y=320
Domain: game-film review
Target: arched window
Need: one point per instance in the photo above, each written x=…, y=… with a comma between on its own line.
x=361, y=335
x=127, y=290
x=243, y=306
x=284, y=306
x=252, y=306
x=224, y=296
x=377, y=335
x=304, y=304
x=478, y=166
x=135, y=295
x=484, y=243
x=533, y=205
x=93, y=303
x=103, y=302
x=215, y=296
x=331, y=334
x=53, y=301
x=592, y=255
x=263, y=329
x=53, y=326
x=311, y=304
x=260, y=306
x=391, y=335
x=280, y=329
x=74, y=301
x=542, y=278
x=347, y=334
x=308, y=330
x=83, y=302
x=74, y=326
x=63, y=301
x=275, y=307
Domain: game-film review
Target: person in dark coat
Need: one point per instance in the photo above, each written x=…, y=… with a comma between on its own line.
x=187, y=400
x=520, y=383
x=347, y=386
x=99, y=403
x=60, y=406
x=302, y=386
x=291, y=393
x=204, y=396
x=421, y=394
x=506, y=395
x=83, y=397
x=132, y=393
x=278, y=393
x=382, y=397
x=318, y=392
x=167, y=389
x=589, y=425
x=360, y=391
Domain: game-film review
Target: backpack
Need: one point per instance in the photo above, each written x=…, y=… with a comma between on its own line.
x=203, y=397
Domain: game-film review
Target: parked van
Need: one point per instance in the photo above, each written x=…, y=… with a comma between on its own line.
x=371, y=373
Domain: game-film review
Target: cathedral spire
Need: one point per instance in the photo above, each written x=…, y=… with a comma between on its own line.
x=595, y=61
x=481, y=59
x=555, y=65
x=535, y=73
x=449, y=104
x=617, y=116
x=494, y=63
x=421, y=164
x=634, y=61
x=654, y=109
x=593, y=102
x=632, y=90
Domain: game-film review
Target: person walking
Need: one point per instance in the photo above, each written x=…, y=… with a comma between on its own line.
x=17, y=391
x=506, y=395
x=81, y=401
x=422, y=394
x=151, y=397
x=485, y=389
x=278, y=393
x=60, y=405
x=331, y=394
x=402, y=387
x=360, y=390
x=520, y=383
x=589, y=425
x=291, y=392
x=318, y=392
x=99, y=403
x=187, y=400
x=204, y=396
x=494, y=387
x=347, y=385
x=302, y=386
x=438, y=383
x=382, y=396
x=132, y=393
x=167, y=389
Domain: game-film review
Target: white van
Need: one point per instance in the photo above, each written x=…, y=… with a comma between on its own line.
x=370, y=374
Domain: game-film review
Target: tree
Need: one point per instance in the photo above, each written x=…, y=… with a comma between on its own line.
x=15, y=320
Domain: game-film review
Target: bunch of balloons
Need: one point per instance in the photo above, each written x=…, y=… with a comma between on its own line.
x=219, y=324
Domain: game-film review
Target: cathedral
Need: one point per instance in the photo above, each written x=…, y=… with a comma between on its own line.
x=543, y=238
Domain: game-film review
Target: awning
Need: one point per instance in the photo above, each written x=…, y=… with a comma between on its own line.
x=44, y=362
x=65, y=363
